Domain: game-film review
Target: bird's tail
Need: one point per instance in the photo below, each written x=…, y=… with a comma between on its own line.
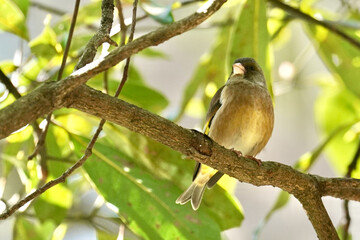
x=194, y=193
x=196, y=190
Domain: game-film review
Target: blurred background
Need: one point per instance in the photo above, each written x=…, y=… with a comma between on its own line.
x=298, y=76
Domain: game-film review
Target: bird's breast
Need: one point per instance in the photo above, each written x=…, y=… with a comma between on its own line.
x=245, y=119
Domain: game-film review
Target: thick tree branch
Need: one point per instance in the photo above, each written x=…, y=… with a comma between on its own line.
x=38, y=102
x=308, y=189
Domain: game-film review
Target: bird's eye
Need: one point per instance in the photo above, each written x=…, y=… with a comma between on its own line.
x=251, y=68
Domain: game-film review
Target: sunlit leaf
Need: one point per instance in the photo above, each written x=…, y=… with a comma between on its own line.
x=78, y=43
x=144, y=97
x=26, y=229
x=12, y=19
x=145, y=203
x=7, y=67
x=23, y=5
x=58, y=145
x=153, y=53
x=45, y=45
x=59, y=195
x=87, y=15
x=161, y=161
x=46, y=211
x=250, y=37
x=21, y=135
x=335, y=107
x=31, y=70
x=102, y=235
x=341, y=57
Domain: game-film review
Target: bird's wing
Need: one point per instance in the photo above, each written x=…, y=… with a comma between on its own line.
x=215, y=104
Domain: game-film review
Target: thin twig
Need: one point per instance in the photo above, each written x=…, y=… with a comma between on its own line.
x=351, y=169
x=8, y=84
x=56, y=181
x=47, y=8
x=68, y=42
x=298, y=13
x=131, y=37
x=42, y=138
x=123, y=26
x=101, y=36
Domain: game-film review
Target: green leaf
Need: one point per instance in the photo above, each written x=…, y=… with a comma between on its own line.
x=341, y=57
x=335, y=107
x=153, y=53
x=145, y=202
x=25, y=229
x=144, y=97
x=23, y=5
x=250, y=37
x=46, y=211
x=102, y=235
x=163, y=162
x=7, y=66
x=12, y=19
x=58, y=145
x=45, y=45
x=161, y=14
x=87, y=15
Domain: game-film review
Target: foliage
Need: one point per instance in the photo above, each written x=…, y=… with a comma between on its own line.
x=137, y=178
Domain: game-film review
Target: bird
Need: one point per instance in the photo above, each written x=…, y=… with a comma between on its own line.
x=240, y=117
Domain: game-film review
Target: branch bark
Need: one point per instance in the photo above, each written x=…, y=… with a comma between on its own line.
x=308, y=189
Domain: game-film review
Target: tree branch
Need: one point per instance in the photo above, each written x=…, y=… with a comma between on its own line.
x=101, y=36
x=49, y=96
x=308, y=189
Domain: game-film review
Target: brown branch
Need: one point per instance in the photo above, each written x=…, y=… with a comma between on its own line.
x=101, y=36
x=298, y=13
x=8, y=84
x=50, y=95
x=351, y=168
x=68, y=42
x=308, y=189
x=123, y=26
x=343, y=188
x=47, y=8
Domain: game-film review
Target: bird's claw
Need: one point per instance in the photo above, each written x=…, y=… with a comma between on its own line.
x=238, y=153
x=258, y=161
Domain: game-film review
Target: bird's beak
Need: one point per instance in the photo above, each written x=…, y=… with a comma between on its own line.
x=238, y=69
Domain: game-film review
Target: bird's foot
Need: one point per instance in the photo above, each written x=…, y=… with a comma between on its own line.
x=238, y=153
x=258, y=161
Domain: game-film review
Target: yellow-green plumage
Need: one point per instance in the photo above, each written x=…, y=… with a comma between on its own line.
x=240, y=117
